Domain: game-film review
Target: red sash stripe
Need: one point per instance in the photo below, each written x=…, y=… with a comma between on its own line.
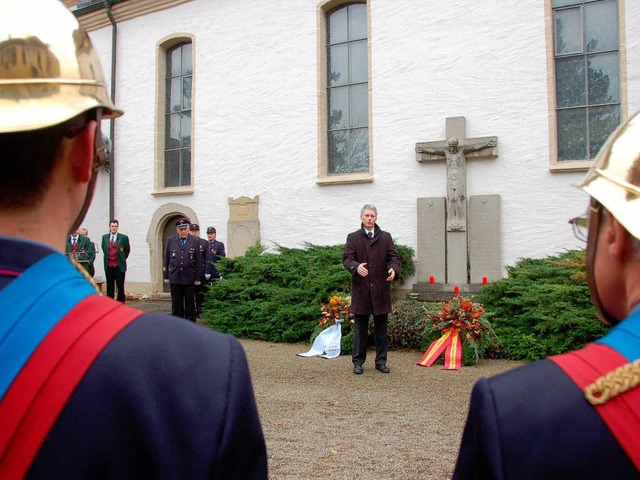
x=621, y=413
x=37, y=396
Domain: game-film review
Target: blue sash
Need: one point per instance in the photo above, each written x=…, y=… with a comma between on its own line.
x=625, y=337
x=32, y=305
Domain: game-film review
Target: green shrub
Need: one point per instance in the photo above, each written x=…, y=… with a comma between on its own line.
x=542, y=308
x=276, y=296
x=409, y=325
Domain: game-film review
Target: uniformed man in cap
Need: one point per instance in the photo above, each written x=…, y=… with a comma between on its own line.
x=183, y=269
x=575, y=416
x=90, y=387
x=194, y=229
x=214, y=251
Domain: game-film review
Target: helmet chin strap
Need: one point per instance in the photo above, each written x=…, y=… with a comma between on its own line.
x=594, y=233
x=99, y=159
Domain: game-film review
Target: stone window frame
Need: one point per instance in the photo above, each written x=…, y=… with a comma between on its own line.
x=556, y=165
x=163, y=47
x=324, y=178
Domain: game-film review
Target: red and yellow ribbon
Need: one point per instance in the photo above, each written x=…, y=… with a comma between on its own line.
x=449, y=343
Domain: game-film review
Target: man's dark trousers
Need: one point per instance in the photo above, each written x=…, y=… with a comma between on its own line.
x=361, y=332
x=183, y=301
x=115, y=277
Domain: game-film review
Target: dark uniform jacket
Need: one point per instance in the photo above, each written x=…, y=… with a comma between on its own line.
x=533, y=422
x=183, y=263
x=215, y=250
x=370, y=294
x=166, y=399
x=122, y=250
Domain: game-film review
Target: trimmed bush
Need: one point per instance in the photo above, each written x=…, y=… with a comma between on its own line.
x=276, y=296
x=543, y=308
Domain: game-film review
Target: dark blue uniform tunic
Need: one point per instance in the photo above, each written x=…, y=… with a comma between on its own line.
x=183, y=264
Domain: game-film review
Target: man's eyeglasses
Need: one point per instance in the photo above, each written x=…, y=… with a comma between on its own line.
x=580, y=227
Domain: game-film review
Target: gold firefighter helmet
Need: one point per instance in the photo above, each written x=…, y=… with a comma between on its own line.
x=49, y=70
x=614, y=178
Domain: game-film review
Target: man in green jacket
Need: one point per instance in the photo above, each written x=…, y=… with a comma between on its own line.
x=115, y=248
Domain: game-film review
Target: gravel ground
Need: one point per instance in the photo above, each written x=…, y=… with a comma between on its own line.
x=321, y=421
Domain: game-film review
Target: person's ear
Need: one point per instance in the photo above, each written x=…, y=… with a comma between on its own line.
x=617, y=238
x=83, y=152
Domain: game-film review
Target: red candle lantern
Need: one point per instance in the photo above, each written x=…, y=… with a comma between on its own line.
x=485, y=280
x=456, y=290
x=432, y=279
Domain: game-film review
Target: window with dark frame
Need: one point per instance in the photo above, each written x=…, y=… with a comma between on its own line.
x=177, y=149
x=347, y=90
x=586, y=55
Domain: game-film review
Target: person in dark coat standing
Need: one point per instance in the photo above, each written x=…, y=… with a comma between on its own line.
x=575, y=416
x=215, y=251
x=194, y=230
x=182, y=269
x=115, y=249
x=373, y=262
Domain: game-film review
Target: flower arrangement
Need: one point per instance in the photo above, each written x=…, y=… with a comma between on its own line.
x=338, y=308
x=467, y=316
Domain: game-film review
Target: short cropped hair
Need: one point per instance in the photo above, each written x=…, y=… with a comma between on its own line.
x=28, y=161
x=369, y=207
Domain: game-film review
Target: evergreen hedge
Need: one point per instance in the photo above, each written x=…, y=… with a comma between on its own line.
x=542, y=308
x=276, y=296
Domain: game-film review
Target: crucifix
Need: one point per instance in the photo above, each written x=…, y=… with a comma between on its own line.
x=455, y=151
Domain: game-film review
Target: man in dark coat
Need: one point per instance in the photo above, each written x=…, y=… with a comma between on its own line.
x=575, y=415
x=194, y=230
x=182, y=269
x=215, y=251
x=373, y=262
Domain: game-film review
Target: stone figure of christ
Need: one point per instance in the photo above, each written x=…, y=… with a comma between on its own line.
x=456, y=178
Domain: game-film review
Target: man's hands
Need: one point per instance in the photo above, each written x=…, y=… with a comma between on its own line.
x=363, y=271
x=392, y=275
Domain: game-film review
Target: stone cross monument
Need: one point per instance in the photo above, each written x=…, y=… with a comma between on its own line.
x=458, y=237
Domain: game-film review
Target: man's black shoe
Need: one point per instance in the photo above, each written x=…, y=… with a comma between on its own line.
x=383, y=368
x=357, y=369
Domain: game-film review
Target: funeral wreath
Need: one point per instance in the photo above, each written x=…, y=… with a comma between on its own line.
x=469, y=318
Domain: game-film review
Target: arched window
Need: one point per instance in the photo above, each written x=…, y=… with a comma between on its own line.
x=344, y=95
x=177, y=116
x=347, y=86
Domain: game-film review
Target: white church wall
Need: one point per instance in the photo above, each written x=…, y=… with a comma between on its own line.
x=255, y=108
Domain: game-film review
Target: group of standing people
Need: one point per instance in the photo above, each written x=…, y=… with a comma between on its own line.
x=115, y=249
x=189, y=267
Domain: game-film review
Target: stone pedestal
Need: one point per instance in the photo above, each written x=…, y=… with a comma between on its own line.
x=443, y=292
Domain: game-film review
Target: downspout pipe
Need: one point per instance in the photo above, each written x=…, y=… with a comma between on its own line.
x=112, y=132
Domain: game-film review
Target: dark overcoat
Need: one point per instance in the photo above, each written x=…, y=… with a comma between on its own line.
x=371, y=295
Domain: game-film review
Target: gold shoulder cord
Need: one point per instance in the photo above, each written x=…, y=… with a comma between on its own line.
x=614, y=383
x=84, y=273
